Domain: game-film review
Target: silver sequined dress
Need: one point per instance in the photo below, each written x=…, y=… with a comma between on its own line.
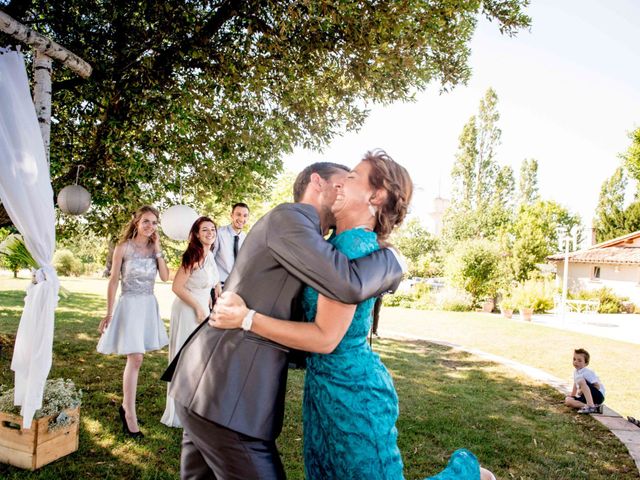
x=136, y=326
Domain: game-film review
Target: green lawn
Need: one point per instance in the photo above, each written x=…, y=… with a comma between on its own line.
x=539, y=346
x=448, y=399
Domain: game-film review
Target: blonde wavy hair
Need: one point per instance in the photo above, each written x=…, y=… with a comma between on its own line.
x=130, y=229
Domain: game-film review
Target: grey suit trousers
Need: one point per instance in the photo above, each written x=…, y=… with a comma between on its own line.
x=213, y=452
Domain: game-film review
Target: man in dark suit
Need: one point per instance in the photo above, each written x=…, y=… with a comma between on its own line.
x=229, y=385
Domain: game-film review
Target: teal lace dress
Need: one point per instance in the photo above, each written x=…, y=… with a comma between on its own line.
x=350, y=404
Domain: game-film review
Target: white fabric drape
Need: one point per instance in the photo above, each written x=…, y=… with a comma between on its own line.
x=26, y=193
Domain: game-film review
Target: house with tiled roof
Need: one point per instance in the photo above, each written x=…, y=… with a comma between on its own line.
x=614, y=264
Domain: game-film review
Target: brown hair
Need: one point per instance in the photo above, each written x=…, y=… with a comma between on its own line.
x=324, y=169
x=582, y=351
x=395, y=180
x=130, y=229
x=194, y=254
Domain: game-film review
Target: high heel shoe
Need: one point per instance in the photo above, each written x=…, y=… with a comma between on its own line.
x=125, y=426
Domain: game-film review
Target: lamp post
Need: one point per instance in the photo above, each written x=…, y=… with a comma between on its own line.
x=565, y=238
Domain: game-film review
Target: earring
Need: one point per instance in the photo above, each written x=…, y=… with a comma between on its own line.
x=372, y=210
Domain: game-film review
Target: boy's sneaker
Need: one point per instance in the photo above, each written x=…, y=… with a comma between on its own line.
x=594, y=409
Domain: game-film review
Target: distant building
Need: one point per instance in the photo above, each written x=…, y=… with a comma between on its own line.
x=440, y=206
x=614, y=264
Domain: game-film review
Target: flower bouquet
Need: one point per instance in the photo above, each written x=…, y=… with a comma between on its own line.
x=54, y=432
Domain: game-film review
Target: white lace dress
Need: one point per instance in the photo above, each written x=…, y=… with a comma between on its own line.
x=184, y=321
x=136, y=326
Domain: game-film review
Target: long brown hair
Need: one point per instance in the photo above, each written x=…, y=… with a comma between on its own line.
x=395, y=180
x=195, y=254
x=130, y=230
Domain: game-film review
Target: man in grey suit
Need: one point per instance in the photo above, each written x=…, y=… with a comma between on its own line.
x=229, y=385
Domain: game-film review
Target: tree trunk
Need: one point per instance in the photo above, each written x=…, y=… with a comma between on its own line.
x=5, y=221
x=42, y=96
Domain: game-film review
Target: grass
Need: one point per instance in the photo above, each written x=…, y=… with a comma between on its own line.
x=546, y=348
x=448, y=399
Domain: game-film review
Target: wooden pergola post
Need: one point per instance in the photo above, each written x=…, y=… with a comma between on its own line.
x=46, y=50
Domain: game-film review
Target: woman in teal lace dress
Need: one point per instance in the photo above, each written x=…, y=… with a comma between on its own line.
x=350, y=404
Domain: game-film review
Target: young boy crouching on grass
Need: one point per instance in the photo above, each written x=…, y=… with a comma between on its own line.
x=588, y=391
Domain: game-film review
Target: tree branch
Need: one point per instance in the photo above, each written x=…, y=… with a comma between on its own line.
x=226, y=11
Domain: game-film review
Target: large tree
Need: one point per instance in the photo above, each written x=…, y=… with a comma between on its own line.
x=208, y=94
x=482, y=190
x=610, y=212
x=534, y=236
x=528, y=185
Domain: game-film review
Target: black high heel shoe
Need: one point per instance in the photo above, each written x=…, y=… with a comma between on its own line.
x=125, y=428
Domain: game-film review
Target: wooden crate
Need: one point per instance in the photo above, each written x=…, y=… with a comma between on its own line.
x=37, y=446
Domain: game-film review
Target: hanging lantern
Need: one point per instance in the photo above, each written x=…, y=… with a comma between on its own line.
x=176, y=221
x=74, y=199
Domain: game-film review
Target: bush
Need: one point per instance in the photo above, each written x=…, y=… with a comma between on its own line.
x=474, y=266
x=67, y=263
x=536, y=294
x=396, y=299
x=609, y=301
x=454, y=300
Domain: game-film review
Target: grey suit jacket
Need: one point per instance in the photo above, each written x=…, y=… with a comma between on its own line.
x=237, y=379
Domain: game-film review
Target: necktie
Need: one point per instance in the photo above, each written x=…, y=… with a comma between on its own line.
x=235, y=246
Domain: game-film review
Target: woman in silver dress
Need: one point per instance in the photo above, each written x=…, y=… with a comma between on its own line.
x=134, y=326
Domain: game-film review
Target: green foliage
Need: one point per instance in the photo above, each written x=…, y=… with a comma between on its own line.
x=528, y=186
x=455, y=301
x=536, y=294
x=508, y=303
x=473, y=266
x=609, y=301
x=10, y=260
x=206, y=97
x=482, y=190
x=67, y=263
x=632, y=156
x=86, y=245
x=534, y=236
x=419, y=247
x=610, y=212
x=420, y=298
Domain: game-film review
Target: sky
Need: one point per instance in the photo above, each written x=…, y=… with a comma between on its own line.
x=569, y=94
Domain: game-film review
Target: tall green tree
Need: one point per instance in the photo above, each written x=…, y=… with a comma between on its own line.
x=206, y=96
x=534, y=236
x=528, y=182
x=610, y=212
x=631, y=157
x=482, y=190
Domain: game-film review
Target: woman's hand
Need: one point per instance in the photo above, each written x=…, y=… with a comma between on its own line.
x=104, y=323
x=218, y=290
x=155, y=239
x=229, y=311
x=200, y=315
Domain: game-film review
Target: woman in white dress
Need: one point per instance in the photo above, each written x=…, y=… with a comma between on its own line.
x=192, y=285
x=135, y=326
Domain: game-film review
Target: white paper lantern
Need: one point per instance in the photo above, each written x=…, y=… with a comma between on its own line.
x=74, y=200
x=176, y=221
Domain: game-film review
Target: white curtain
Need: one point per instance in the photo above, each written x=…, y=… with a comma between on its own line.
x=26, y=193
